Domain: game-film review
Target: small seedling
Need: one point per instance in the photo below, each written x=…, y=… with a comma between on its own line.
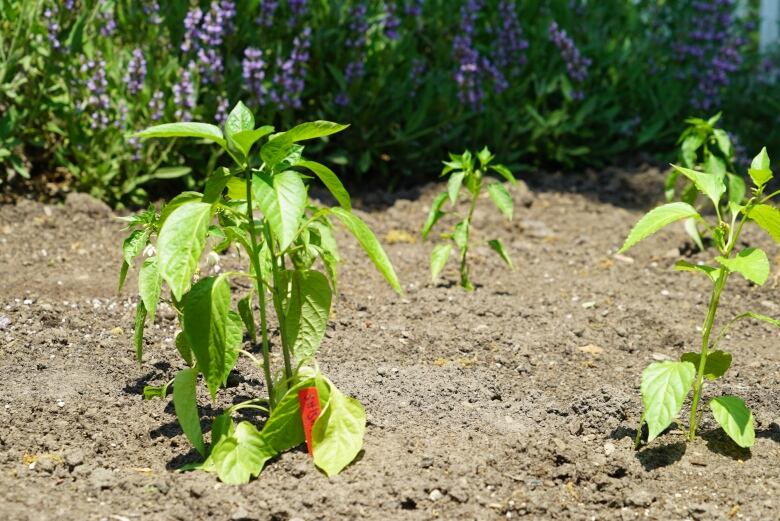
x=665, y=385
x=465, y=172
x=260, y=206
x=704, y=147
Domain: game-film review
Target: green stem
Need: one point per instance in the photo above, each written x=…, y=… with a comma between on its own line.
x=279, y=303
x=260, y=288
x=464, y=268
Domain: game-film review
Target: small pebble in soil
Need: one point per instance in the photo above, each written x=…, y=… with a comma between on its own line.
x=4, y=322
x=609, y=448
x=435, y=495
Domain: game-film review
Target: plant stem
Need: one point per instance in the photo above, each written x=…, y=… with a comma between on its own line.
x=260, y=287
x=464, y=268
x=278, y=304
x=705, y=341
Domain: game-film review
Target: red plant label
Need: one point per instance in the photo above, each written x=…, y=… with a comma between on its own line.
x=309, y=401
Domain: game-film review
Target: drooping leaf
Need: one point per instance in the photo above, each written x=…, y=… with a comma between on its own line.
x=692, y=229
x=282, y=199
x=439, y=257
x=235, y=337
x=709, y=271
x=151, y=392
x=768, y=218
x=215, y=185
x=330, y=180
x=240, y=456
x=736, y=419
x=751, y=263
x=171, y=172
x=205, y=323
x=498, y=247
x=149, y=285
x=307, y=312
x=656, y=219
x=718, y=362
x=453, y=185
x=123, y=275
x=723, y=140
x=313, y=129
x=180, y=244
x=434, y=215
x=186, y=405
x=370, y=245
x=184, y=129
x=664, y=387
x=337, y=434
x=247, y=316
x=501, y=198
x=710, y=185
x=504, y=172
x=183, y=347
x=138, y=335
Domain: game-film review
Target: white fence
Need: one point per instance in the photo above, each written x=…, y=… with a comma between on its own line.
x=770, y=20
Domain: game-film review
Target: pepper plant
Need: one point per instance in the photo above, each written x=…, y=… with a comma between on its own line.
x=261, y=206
x=665, y=385
x=467, y=171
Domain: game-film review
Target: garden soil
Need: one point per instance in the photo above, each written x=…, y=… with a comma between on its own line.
x=519, y=400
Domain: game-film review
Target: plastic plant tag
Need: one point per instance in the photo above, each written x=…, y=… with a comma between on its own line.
x=309, y=400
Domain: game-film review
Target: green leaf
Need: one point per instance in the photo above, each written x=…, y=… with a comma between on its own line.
x=186, y=405
x=215, y=185
x=155, y=391
x=504, y=172
x=736, y=188
x=736, y=419
x=751, y=263
x=179, y=200
x=134, y=244
x=724, y=141
x=330, y=180
x=247, y=316
x=171, y=172
x=206, y=310
x=718, y=362
x=337, y=434
x=241, y=456
x=439, y=257
x=759, y=169
x=453, y=185
x=276, y=149
x=313, y=129
x=656, y=219
x=461, y=234
x=768, y=218
x=235, y=337
x=184, y=348
x=245, y=139
x=307, y=312
x=282, y=199
x=434, y=215
x=664, y=387
x=498, y=247
x=239, y=119
x=220, y=427
x=149, y=285
x=180, y=244
x=284, y=429
x=370, y=245
x=185, y=129
x=710, y=185
x=123, y=275
x=138, y=335
x=501, y=198
x=709, y=271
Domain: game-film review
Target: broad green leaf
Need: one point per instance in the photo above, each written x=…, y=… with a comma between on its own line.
x=184, y=348
x=184, y=129
x=215, y=185
x=241, y=456
x=709, y=271
x=689, y=147
x=504, y=172
x=736, y=188
x=235, y=337
x=439, y=257
x=155, y=391
x=282, y=199
x=307, y=312
x=206, y=309
x=692, y=229
x=768, y=218
x=453, y=185
x=370, y=245
x=736, y=419
x=664, y=387
x=247, y=316
x=501, y=198
x=751, y=263
x=284, y=429
x=461, y=234
x=245, y=139
x=337, y=434
x=171, y=172
x=313, y=129
x=330, y=180
x=149, y=285
x=134, y=244
x=179, y=200
x=186, y=405
x=180, y=244
x=759, y=169
x=724, y=141
x=656, y=219
x=276, y=149
x=434, y=215
x=498, y=247
x=240, y=119
x=221, y=426
x=236, y=189
x=138, y=335
x=715, y=165
x=710, y=185
x=718, y=362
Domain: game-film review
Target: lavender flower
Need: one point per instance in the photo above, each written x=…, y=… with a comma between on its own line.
x=184, y=96
x=297, y=11
x=221, y=113
x=414, y=8
x=576, y=64
x=135, y=146
x=109, y=23
x=391, y=22
x=265, y=17
x=191, y=29
x=210, y=65
x=253, y=67
x=510, y=44
x=152, y=11
x=356, y=42
x=97, y=105
x=136, y=72
x=417, y=74
x=53, y=27
x=157, y=106
x=290, y=77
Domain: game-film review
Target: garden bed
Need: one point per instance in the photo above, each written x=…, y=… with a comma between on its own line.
x=520, y=399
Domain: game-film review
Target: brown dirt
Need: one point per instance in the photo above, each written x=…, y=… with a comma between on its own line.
x=481, y=406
